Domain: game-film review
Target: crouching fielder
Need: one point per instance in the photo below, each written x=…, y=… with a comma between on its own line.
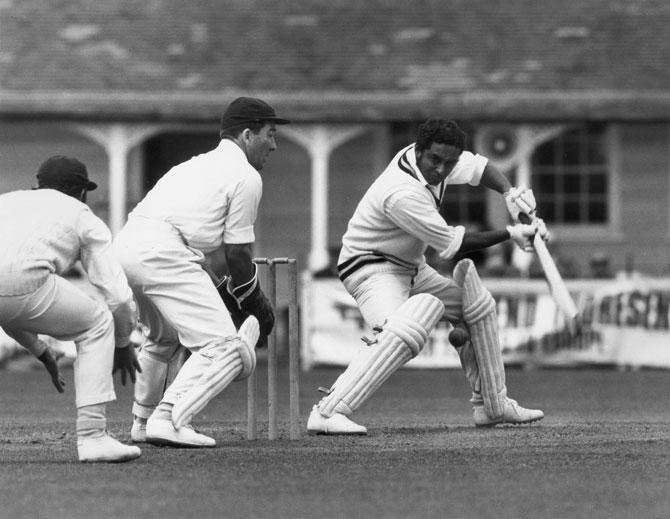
x=43, y=233
x=383, y=266
x=203, y=206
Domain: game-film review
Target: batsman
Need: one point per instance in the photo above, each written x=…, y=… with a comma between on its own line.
x=382, y=265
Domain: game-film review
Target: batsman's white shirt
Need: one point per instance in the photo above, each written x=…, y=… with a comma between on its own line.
x=398, y=218
x=209, y=199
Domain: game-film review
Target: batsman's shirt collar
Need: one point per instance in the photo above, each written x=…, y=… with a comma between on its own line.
x=407, y=163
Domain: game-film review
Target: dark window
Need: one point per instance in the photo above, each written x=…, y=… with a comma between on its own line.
x=570, y=177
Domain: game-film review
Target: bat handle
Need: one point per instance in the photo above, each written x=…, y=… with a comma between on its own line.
x=527, y=218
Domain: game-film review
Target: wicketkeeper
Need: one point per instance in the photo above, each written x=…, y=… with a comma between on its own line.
x=198, y=207
x=382, y=265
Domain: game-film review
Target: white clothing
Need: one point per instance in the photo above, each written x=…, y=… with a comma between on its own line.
x=44, y=233
x=381, y=288
x=61, y=310
x=176, y=298
x=49, y=232
x=209, y=199
x=398, y=216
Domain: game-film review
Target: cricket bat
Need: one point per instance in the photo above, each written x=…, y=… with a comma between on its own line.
x=557, y=287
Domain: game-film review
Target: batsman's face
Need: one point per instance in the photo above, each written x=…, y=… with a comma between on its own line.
x=260, y=145
x=436, y=162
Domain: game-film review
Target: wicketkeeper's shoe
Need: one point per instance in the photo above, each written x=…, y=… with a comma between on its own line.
x=513, y=414
x=163, y=432
x=336, y=424
x=105, y=449
x=138, y=432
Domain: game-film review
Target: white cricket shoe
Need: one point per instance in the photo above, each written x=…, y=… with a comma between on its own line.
x=105, y=449
x=138, y=432
x=163, y=432
x=513, y=414
x=336, y=424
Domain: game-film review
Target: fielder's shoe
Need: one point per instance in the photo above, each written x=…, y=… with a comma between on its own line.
x=138, y=432
x=513, y=414
x=336, y=424
x=105, y=449
x=163, y=432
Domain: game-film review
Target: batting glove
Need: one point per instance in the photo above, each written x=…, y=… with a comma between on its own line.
x=522, y=234
x=520, y=200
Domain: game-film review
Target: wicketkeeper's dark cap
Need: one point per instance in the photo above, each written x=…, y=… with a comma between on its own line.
x=249, y=109
x=60, y=170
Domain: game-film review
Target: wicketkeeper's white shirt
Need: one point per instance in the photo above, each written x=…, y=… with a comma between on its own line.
x=209, y=199
x=398, y=216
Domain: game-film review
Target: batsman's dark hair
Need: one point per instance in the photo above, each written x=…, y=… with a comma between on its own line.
x=234, y=131
x=442, y=131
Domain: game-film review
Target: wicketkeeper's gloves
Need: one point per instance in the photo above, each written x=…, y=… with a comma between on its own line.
x=247, y=299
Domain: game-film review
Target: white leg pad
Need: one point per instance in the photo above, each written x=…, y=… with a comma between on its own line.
x=157, y=374
x=479, y=312
x=235, y=359
x=402, y=337
x=249, y=333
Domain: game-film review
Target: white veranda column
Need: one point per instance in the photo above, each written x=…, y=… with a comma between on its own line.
x=320, y=141
x=117, y=139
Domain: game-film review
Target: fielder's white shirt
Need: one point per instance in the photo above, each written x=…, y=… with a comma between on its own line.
x=398, y=216
x=46, y=232
x=209, y=199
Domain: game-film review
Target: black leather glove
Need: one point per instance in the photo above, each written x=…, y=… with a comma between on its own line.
x=259, y=306
x=248, y=299
x=236, y=313
x=50, y=360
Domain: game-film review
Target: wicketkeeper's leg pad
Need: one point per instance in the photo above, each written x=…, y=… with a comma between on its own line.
x=479, y=312
x=248, y=333
x=160, y=365
x=401, y=338
x=234, y=359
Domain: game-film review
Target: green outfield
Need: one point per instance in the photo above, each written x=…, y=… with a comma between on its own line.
x=601, y=452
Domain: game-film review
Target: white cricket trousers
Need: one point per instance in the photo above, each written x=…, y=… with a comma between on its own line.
x=61, y=310
x=177, y=302
x=381, y=288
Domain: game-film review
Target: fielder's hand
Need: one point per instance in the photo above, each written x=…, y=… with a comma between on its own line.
x=258, y=305
x=125, y=359
x=520, y=200
x=255, y=304
x=522, y=235
x=233, y=307
x=251, y=300
x=50, y=360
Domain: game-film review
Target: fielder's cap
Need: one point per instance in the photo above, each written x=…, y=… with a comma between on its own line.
x=60, y=170
x=247, y=110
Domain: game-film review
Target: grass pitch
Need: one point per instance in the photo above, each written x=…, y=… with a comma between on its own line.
x=601, y=452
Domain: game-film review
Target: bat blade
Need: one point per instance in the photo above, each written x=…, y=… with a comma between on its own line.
x=557, y=287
